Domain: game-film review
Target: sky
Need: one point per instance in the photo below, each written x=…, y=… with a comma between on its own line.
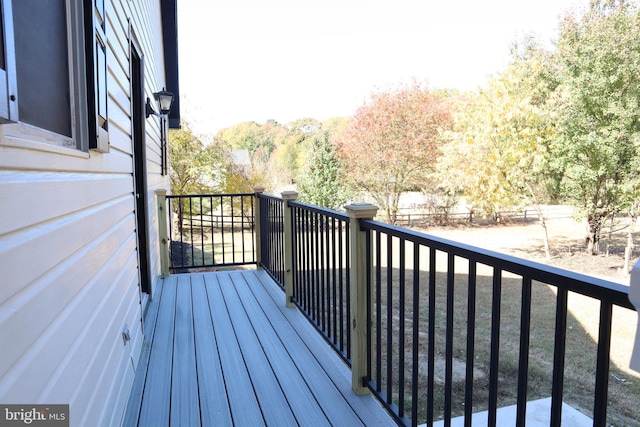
x=243, y=60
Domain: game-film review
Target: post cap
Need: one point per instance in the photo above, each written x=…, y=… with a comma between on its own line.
x=289, y=195
x=161, y=192
x=258, y=189
x=361, y=210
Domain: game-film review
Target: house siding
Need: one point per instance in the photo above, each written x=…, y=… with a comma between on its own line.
x=68, y=248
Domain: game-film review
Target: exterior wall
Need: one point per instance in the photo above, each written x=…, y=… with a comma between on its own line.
x=68, y=257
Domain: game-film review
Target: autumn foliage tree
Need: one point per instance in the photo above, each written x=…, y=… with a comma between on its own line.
x=393, y=142
x=498, y=154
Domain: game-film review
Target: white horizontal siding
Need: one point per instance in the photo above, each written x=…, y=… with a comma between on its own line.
x=68, y=242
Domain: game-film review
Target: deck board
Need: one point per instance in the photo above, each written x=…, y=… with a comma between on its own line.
x=223, y=349
x=185, y=407
x=132, y=413
x=245, y=409
x=337, y=409
x=273, y=402
x=313, y=346
x=305, y=406
x=157, y=390
x=211, y=381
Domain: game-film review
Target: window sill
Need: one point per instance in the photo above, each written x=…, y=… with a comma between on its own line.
x=21, y=136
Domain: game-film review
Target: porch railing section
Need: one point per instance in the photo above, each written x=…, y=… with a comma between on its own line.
x=272, y=236
x=321, y=271
x=450, y=329
x=211, y=230
x=429, y=298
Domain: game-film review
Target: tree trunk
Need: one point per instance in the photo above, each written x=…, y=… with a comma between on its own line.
x=543, y=224
x=594, y=224
x=628, y=251
x=392, y=208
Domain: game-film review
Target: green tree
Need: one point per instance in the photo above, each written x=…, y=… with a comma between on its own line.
x=289, y=156
x=392, y=143
x=598, y=110
x=322, y=183
x=196, y=168
x=244, y=135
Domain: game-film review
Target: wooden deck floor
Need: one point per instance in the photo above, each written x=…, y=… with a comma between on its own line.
x=222, y=349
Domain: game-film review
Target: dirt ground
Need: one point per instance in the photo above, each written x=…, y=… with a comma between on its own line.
x=566, y=239
x=567, y=244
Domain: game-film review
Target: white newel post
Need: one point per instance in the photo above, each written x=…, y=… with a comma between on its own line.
x=257, y=190
x=634, y=298
x=288, y=246
x=358, y=293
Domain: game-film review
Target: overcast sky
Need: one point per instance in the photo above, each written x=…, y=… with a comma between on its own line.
x=287, y=59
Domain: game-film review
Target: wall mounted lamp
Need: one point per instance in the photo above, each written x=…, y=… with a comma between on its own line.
x=164, y=100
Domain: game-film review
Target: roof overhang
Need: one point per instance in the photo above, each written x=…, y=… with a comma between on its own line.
x=170, y=43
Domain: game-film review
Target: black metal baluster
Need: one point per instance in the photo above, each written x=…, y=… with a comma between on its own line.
x=471, y=337
x=378, y=312
x=191, y=228
x=368, y=302
x=431, y=351
x=222, y=246
x=495, y=346
x=348, y=290
x=323, y=273
x=340, y=287
x=334, y=281
x=559, y=351
x=602, y=365
x=448, y=381
x=202, y=231
x=242, y=228
x=415, y=334
x=401, y=315
x=389, y=355
x=523, y=364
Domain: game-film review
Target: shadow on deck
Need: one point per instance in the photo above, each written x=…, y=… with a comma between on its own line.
x=222, y=349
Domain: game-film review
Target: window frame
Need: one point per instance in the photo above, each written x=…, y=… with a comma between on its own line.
x=82, y=94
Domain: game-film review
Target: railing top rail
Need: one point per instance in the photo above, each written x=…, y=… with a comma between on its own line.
x=268, y=196
x=186, y=196
x=601, y=289
x=324, y=211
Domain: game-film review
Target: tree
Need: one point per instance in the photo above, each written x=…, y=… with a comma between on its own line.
x=598, y=109
x=287, y=160
x=244, y=135
x=498, y=154
x=392, y=143
x=196, y=168
x=322, y=183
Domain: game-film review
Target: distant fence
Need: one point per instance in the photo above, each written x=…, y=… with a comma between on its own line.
x=416, y=218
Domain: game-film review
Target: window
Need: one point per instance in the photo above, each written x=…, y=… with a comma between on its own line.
x=42, y=65
x=53, y=71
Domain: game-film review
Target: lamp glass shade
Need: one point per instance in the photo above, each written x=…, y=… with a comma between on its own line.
x=164, y=99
